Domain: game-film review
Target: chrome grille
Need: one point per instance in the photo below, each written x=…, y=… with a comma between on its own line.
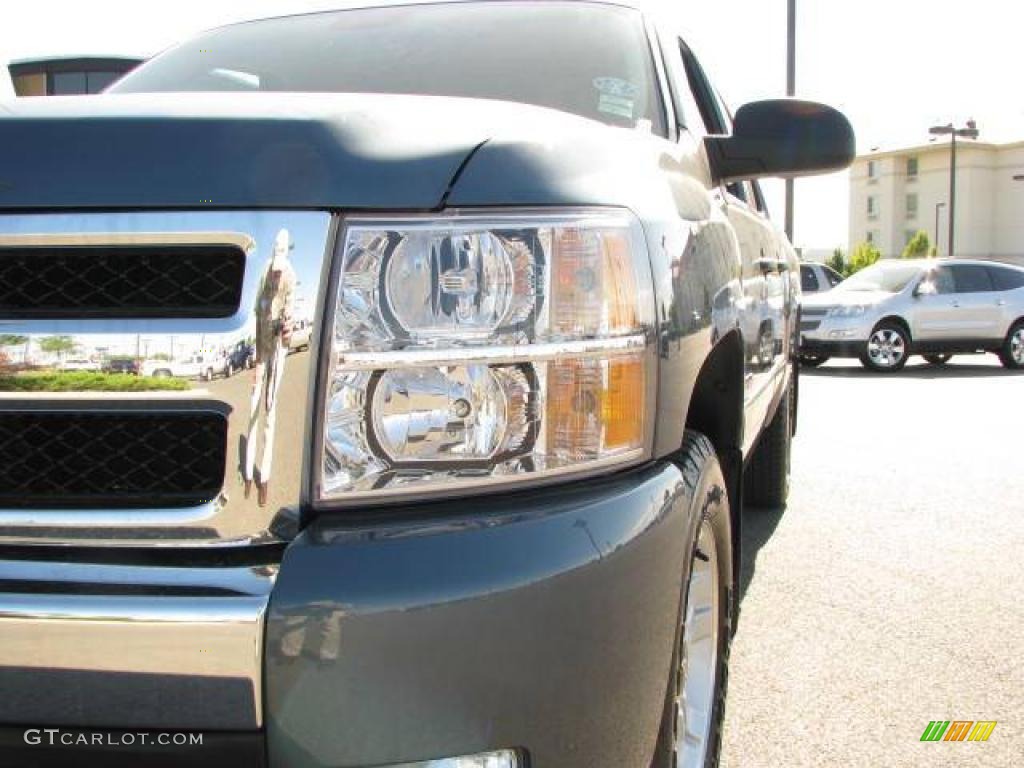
x=120, y=281
x=124, y=464
x=83, y=459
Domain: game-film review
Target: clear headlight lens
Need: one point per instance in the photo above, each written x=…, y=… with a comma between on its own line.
x=476, y=350
x=450, y=413
x=848, y=311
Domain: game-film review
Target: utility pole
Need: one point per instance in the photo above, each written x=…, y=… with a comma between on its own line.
x=970, y=132
x=790, y=91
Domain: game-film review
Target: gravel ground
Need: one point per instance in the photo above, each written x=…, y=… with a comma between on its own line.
x=891, y=591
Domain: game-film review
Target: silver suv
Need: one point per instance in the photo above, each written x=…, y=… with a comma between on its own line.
x=895, y=309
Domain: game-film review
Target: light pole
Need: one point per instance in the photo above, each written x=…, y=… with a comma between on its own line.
x=790, y=91
x=970, y=132
x=938, y=207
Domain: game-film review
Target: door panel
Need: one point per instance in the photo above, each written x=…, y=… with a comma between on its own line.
x=759, y=312
x=937, y=317
x=981, y=317
x=980, y=310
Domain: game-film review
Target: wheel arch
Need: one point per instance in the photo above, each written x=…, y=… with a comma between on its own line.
x=716, y=410
x=898, y=320
x=716, y=405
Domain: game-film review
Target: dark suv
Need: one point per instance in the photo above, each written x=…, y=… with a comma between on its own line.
x=492, y=519
x=127, y=365
x=240, y=357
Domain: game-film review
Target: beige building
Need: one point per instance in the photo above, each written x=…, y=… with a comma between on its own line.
x=67, y=75
x=895, y=193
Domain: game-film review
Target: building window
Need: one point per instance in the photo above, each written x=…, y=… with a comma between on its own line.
x=69, y=84
x=97, y=81
x=912, y=206
x=872, y=170
x=871, y=237
x=80, y=83
x=912, y=168
x=872, y=207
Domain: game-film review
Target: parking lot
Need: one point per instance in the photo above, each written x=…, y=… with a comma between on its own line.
x=888, y=594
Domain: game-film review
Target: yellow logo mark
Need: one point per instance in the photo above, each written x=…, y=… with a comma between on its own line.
x=982, y=730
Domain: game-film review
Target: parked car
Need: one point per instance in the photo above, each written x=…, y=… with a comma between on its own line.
x=298, y=339
x=496, y=521
x=78, y=364
x=127, y=365
x=203, y=365
x=936, y=308
x=818, y=278
x=241, y=356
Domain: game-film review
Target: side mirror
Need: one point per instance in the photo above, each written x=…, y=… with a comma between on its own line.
x=925, y=288
x=782, y=138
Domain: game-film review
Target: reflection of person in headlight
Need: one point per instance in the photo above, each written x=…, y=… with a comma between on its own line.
x=273, y=327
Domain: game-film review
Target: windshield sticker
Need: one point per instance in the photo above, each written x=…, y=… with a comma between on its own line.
x=615, y=105
x=615, y=86
x=617, y=96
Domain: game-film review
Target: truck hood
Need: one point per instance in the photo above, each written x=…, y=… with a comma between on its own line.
x=264, y=150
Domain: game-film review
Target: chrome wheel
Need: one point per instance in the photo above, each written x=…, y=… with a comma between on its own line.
x=1017, y=346
x=887, y=348
x=698, y=662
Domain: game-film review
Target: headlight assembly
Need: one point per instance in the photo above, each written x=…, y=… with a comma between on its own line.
x=477, y=350
x=847, y=311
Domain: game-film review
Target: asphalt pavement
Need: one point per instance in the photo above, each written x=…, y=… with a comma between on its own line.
x=890, y=592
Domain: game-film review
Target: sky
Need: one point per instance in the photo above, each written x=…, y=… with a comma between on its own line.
x=895, y=67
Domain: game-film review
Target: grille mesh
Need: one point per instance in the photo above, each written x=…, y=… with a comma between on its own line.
x=120, y=281
x=92, y=459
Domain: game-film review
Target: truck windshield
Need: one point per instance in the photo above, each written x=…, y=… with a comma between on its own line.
x=589, y=59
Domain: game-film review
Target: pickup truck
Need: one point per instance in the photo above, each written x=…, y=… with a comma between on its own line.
x=493, y=518
x=203, y=365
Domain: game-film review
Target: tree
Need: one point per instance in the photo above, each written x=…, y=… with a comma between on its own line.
x=837, y=261
x=918, y=247
x=58, y=345
x=863, y=256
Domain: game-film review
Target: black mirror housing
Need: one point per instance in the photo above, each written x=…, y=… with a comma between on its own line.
x=782, y=138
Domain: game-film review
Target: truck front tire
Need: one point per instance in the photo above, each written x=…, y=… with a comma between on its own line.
x=691, y=728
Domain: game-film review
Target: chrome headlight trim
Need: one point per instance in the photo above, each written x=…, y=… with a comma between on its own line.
x=640, y=343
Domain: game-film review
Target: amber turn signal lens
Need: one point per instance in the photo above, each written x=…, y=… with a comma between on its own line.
x=595, y=408
x=594, y=289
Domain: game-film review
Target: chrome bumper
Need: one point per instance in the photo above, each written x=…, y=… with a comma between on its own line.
x=97, y=645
